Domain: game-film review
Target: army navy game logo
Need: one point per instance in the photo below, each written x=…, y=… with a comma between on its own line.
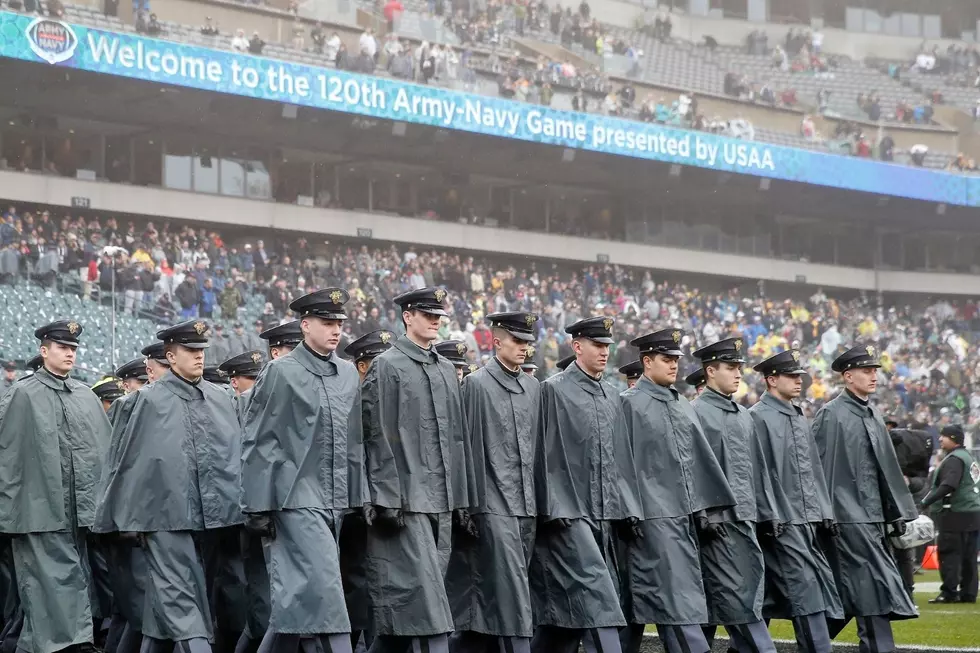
x=51, y=40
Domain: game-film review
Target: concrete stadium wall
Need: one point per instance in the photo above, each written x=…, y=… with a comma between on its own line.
x=178, y=205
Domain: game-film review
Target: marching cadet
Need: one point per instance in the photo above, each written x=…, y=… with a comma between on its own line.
x=242, y=371
x=563, y=364
x=282, y=338
x=418, y=474
x=156, y=361
x=871, y=501
x=487, y=579
x=585, y=486
x=34, y=364
x=8, y=378
x=799, y=582
x=696, y=380
x=733, y=567
x=682, y=491
x=632, y=371
x=302, y=466
x=174, y=485
x=214, y=374
x=53, y=434
x=353, y=532
x=454, y=351
x=133, y=374
x=108, y=389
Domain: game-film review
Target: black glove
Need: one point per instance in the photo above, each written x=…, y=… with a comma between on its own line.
x=708, y=532
x=830, y=527
x=772, y=528
x=464, y=522
x=897, y=528
x=261, y=524
x=389, y=520
x=132, y=538
x=553, y=523
x=630, y=529
x=368, y=513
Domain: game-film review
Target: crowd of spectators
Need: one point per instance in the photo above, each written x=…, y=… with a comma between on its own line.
x=931, y=362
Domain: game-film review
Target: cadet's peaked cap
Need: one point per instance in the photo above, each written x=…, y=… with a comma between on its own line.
x=519, y=325
x=64, y=332
x=156, y=351
x=327, y=304
x=289, y=334
x=728, y=350
x=855, y=357
x=469, y=369
x=597, y=329
x=134, y=369
x=109, y=389
x=214, y=374
x=34, y=364
x=427, y=300
x=785, y=362
x=529, y=366
x=370, y=345
x=632, y=370
x=565, y=362
x=192, y=334
x=454, y=351
x=248, y=363
x=696, y=378
x=665, y=341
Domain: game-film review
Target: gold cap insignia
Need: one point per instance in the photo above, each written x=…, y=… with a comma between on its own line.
x=461, y=348
x=676, y=335
x=385, y=337
x=336, y=296
x=73, y=328
x=256, y=357
x=440, y=295
x=120, y=386
x=796, y=356
x=473, y=368
x=529, y=354
x=870, y=350
x=738, y=345
x=200, y=328
x=607, y=323
x=530, y=319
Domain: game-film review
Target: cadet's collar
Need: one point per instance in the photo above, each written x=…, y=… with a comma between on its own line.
x=715, y=398
x=784, y=407
x=855, y=405
x=314, y=362
x=655, y=390
x=52, y=381
x=584, y=381
x=508, y=381
x=181, y=387
x=416, y=353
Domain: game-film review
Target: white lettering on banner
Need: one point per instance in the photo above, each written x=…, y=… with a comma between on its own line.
x=397, y=101
x=154, y=61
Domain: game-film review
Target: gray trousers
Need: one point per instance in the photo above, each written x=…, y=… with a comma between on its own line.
x=874, y=633
x=471, y=642
x=403, y=644
x=552, y=639
x=812, y=635
x=688, y=638
x=745, y=638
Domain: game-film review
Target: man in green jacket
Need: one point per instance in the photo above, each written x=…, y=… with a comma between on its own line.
x=955, y=497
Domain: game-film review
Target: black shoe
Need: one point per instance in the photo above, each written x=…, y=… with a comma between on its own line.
x=942, y=598
x=964, y=600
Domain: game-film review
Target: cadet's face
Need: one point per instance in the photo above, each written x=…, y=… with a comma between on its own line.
x=242, y=384
x=322, y=335
x=459, y=374
x=421, y=327
x=631, y=382
x=863, y=381
x=58, y=358
x=726, y=377
x=787, y=386
x=363, y=366
x=511, y=351
x=591, y=355
x=106, y=405
x=279, y=352
x=661, y=368
x=698, y=389
x=187, y=363
x=155, y=370
x=132, y=385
